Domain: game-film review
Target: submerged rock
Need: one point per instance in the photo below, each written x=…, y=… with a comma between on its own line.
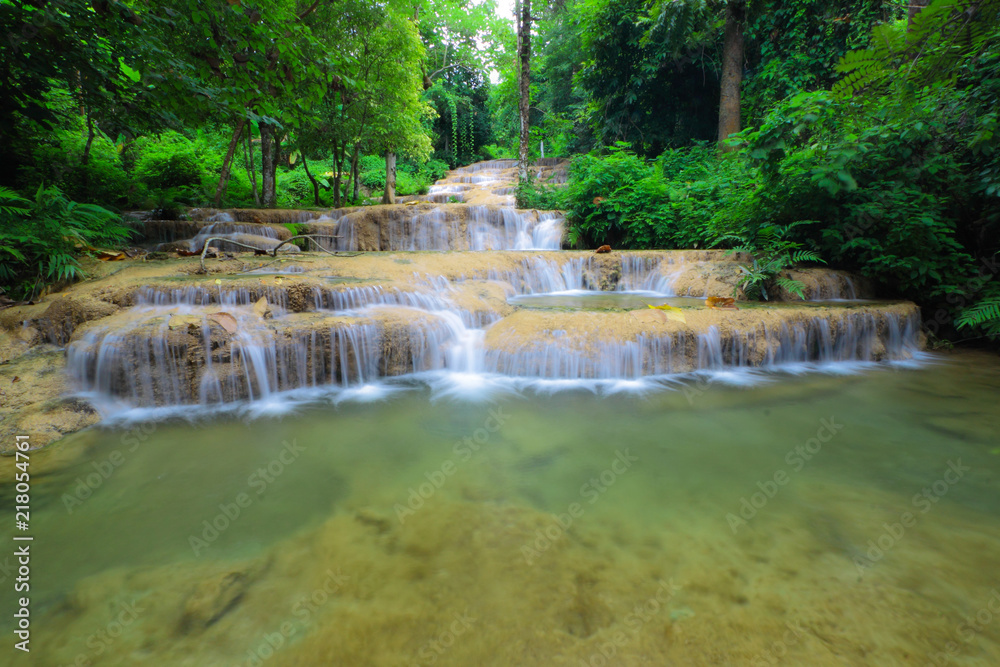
x=212, y=598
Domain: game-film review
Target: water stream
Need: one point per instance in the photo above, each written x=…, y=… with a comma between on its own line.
x=357, y=528
x=502, y=456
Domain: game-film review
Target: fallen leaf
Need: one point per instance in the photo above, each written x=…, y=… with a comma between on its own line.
x=16, y=379
x=262, y=309
x=224, y=320
x=721, y=303
x=671, y=312
x=603, y=249
x=110, y=256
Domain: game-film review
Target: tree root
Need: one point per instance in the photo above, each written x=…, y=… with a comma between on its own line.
x=274, y=252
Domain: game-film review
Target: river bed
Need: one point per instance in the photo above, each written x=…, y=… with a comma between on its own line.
x=775, y=518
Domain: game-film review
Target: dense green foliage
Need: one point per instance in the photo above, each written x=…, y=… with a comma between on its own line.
x=870, y=142
x=881, y=160
x=648, y=71
x=95, y=101
x=164, y=105
x=40, y=238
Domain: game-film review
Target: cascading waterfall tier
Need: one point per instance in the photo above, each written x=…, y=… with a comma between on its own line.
x=602, y=346
x=170, y=345
x=445, y=227
x=509, y=305
x=163, y=358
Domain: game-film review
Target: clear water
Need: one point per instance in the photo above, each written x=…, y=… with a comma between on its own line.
x=594, y=300
x=585, y=529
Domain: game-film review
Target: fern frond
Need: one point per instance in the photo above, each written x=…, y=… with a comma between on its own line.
x=11, y=204
x=933, y=44
x=806, y=256
x=984, y=313
x=795, y=287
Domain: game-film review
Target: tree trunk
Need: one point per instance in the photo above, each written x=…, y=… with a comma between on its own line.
x=524, y=84
x=732, y=73
x=315, y=183
x=914, y=8
x=338, y=160
x=251, y=167
x=355, y=194
x=227, y=163
x=269, y=148
x=389, y=196
x=90, y=137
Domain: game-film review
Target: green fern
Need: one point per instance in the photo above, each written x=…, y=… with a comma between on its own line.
x=772, y=253
x=41, y=239
x=795, y=287
x=11, y=205
x=984, y=314
x=927, y=50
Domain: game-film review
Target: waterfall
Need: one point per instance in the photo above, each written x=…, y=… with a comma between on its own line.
x=646, y=273
x=526, y=313
x=568, y=356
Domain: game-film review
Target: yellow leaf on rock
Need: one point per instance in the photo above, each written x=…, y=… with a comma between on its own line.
x=672, y=312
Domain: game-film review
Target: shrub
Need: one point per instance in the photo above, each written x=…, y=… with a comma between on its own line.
x=371, y=163
x=294, y=188
x=373, y=180
x=169, y=161
x=685, y=199
x=40, y=239
x=57, y=158
x=496, y=152
x=409, y=184
x=434, y=170
x=239, y=191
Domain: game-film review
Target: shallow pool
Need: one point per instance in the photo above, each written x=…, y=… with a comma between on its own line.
x=813, y=519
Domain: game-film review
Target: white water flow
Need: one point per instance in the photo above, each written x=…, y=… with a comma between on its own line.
x=554, y=319
x=464, y=211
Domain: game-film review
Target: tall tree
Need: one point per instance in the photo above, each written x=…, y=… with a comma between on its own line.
x=257, y=60
x=524, y=85
x=270, y=148
x=389, y=193
x=732, y=71
x=373, y=103
x=463, y=42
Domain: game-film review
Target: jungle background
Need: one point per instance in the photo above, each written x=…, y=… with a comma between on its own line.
x=857, y=133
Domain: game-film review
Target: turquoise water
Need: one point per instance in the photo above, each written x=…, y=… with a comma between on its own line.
x=849, y=519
